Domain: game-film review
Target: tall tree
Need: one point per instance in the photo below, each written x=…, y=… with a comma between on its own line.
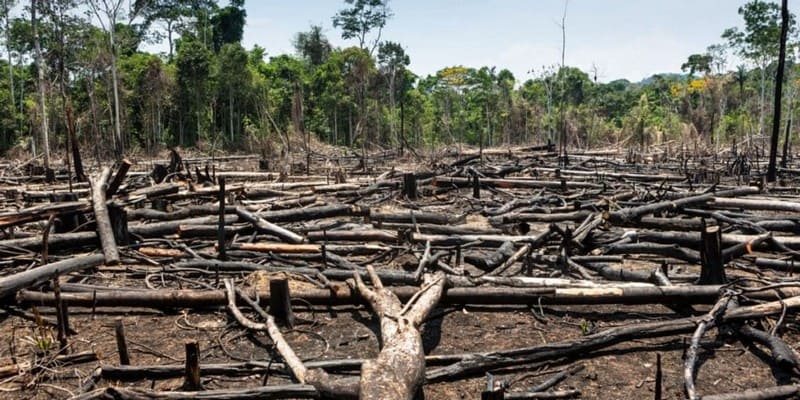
x=484, y=82
x=109, y=14
x=359, y=68
x=563, y=158
x=759, y=42
x=193, y=71
x=361, y=18
x=328, y=84
x=393, y=59
x=356, y=22
x=228, y=24
x=170, y=15
x=233, y=80
x=313, y=46
x=5, y=12
x=40, y=67
x=697, y=63
x=505, y=83
x=776, y=122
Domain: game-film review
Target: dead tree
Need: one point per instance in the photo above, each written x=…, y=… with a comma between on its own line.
x=399, y=370
x=102, y=219
x=776, y=123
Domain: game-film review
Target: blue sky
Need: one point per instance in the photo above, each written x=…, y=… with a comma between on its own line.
x=629, y=39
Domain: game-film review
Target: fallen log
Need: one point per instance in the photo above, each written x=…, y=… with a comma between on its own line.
x=539, y=217
x=777, y=392
x=313, y=213
x=42, y=212
x=783, y=355
x=557, y=394
x=413, y=216
x=308, y=248
x=625, y=295
x=514, y=183
x=158, y=229
x=10, y=285
x=373, y=235
x=269, y=228
x=755, y=204
x=632, y=213
x=318, y=378
x=582, y=345
x=178, y=214
x=55, y=241
x=602, y=175
x=693, y=239
x=664, y=250
x=391, y=276
x=438, y=229
x=264, y=392
x=780, y=265
x=493, y=260
x=486, y=240
x=399, y=370
x=690, y=360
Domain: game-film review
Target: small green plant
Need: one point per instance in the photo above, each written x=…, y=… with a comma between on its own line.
x=41, y=344
x=42, y=339
x=587, y=327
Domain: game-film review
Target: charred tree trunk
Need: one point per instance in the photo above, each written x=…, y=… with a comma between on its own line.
x=713, y=265
x=776, y=122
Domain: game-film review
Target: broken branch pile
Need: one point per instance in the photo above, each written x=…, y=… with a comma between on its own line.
x=287, y=271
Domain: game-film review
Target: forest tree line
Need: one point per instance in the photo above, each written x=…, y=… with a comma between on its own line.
x=76, y=70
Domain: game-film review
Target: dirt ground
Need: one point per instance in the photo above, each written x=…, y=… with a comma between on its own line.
x=625, y=371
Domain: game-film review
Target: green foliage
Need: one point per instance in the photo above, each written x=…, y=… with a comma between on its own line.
x=313, y=46
x=697, y=63
x=193, y=71
x=228, y=24
x=213, y=91
x=760, y=39
x=233, y=83
x=361, y=18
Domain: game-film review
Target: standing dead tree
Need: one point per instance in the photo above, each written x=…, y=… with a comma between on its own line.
x=776, y=122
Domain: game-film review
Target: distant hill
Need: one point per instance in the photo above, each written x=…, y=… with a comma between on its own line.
x=670, y=76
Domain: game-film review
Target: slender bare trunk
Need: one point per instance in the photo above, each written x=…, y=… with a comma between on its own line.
x=762, y=100
x=10, y=59
x=776, y=123
x=392, y=108
x=230, y=111
x=40, y=66
x=564, y=135
x=169, y=38
x=115, y=84
x=335, y=124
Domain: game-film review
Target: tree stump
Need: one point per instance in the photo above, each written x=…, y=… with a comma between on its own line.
x=410, y=186
x=280, y=302
x=713, y=266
